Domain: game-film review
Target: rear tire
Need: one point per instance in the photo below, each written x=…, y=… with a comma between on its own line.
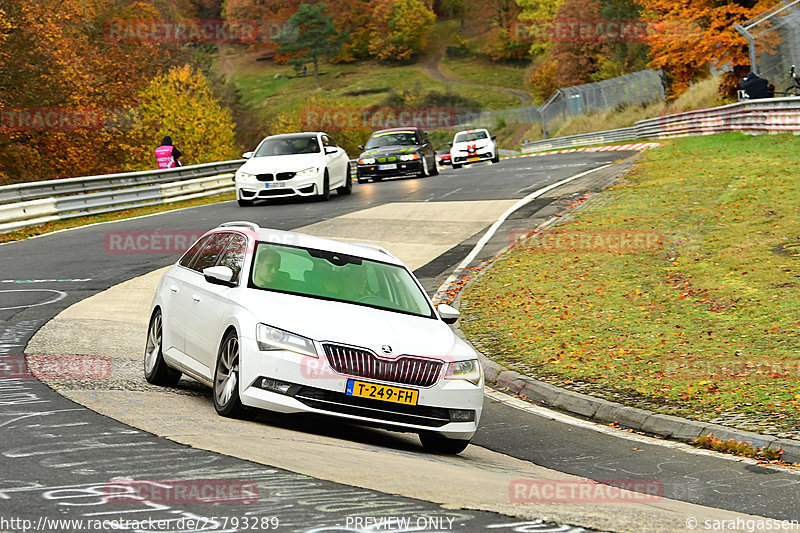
x=347, y=188
x=435, y=171
x=156, y=370
x=226, y=378
x=435, y=443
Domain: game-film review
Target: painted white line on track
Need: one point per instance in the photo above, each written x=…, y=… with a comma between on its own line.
x=494, y=227
x=59, y=296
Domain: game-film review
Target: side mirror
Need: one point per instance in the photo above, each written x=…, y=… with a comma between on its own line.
x=449, y=314
x=450, y=145
x=247, y=155
x=361, y=147
x=494, y=137
x=219, y=275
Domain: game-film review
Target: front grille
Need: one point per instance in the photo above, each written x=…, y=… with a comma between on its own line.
x=282, y=176
x=338, y=402
x=363, y=363
x=264, y=177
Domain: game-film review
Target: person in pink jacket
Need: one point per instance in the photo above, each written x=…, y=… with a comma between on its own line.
x=167, y=155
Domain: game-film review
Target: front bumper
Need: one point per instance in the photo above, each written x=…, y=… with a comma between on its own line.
x=404, y=168
x=472, y=158
x=314, y=387
x=252, y=189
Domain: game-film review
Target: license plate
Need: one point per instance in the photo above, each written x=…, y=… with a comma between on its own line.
x=276, y=185
x=473, y=159
x=390, y=166
x=374, y=391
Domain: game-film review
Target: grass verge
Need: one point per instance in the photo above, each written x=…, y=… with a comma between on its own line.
x=678, y=293
x=57, y=225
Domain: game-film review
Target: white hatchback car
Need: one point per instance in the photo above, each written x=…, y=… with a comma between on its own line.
x=471, y=146
x=293, y=323
x=294, y=164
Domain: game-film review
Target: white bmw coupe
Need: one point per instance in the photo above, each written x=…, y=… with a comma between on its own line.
x=295, y=164
x=293, y=323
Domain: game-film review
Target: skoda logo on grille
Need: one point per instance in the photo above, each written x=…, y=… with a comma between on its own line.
x=386, y=349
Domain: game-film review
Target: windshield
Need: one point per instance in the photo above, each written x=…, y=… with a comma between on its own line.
x=288, y=146
x=395, y=138
x=466, y=136
x=334, y=276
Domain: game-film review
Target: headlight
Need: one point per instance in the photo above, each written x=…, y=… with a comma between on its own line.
x=367, y=161
x=245, y=176
x=269, y=338
x=409, y=157
x=467, y=370
x=307, y=173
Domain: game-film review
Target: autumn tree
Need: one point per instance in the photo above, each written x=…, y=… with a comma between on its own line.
x=400, y=29
x=182, y=105
x=57, y=60
x=687, y=37
x=308, y=36
x=536, y=19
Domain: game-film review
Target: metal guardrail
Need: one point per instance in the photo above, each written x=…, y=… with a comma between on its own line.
x=41, y=202
x=40, y=211
x=754, y=117
x=21, y=192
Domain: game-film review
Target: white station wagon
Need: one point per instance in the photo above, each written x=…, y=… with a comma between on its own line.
x=293, y=323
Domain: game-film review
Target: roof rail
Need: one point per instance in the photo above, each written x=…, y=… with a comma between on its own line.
x=377, y=247
x=240, y=223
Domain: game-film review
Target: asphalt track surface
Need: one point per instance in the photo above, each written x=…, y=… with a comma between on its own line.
x=57, y=456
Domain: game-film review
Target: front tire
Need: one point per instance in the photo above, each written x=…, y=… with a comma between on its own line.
x=326, y=188
x=424, y=172
x=496, y=158
x=226, y=378
x=435, y=443
x=456, y=165
x=347, y=188
x=156, y=370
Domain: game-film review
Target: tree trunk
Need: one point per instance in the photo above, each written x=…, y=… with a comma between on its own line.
x=316, y=72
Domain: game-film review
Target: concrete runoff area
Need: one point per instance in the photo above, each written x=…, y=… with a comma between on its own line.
x=113, y=324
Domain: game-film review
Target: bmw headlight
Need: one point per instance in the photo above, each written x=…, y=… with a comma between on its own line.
x=307, y=172
x=270, y=338
x=245, y=176
x=467, y=370
x=367, y=161
x=409, y=157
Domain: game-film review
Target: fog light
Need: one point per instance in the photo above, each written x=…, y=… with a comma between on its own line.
x=273, y=385
x=462, y=415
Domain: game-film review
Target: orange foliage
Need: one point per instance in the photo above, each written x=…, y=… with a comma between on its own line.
x=688, y=36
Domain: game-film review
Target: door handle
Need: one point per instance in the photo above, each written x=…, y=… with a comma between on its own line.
x=173, y=288
x=196, y=297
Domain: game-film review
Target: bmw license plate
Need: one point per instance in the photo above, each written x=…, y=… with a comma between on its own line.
x=374, y=391
x=275, y=185
x=473, y=159
x=390, y=166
